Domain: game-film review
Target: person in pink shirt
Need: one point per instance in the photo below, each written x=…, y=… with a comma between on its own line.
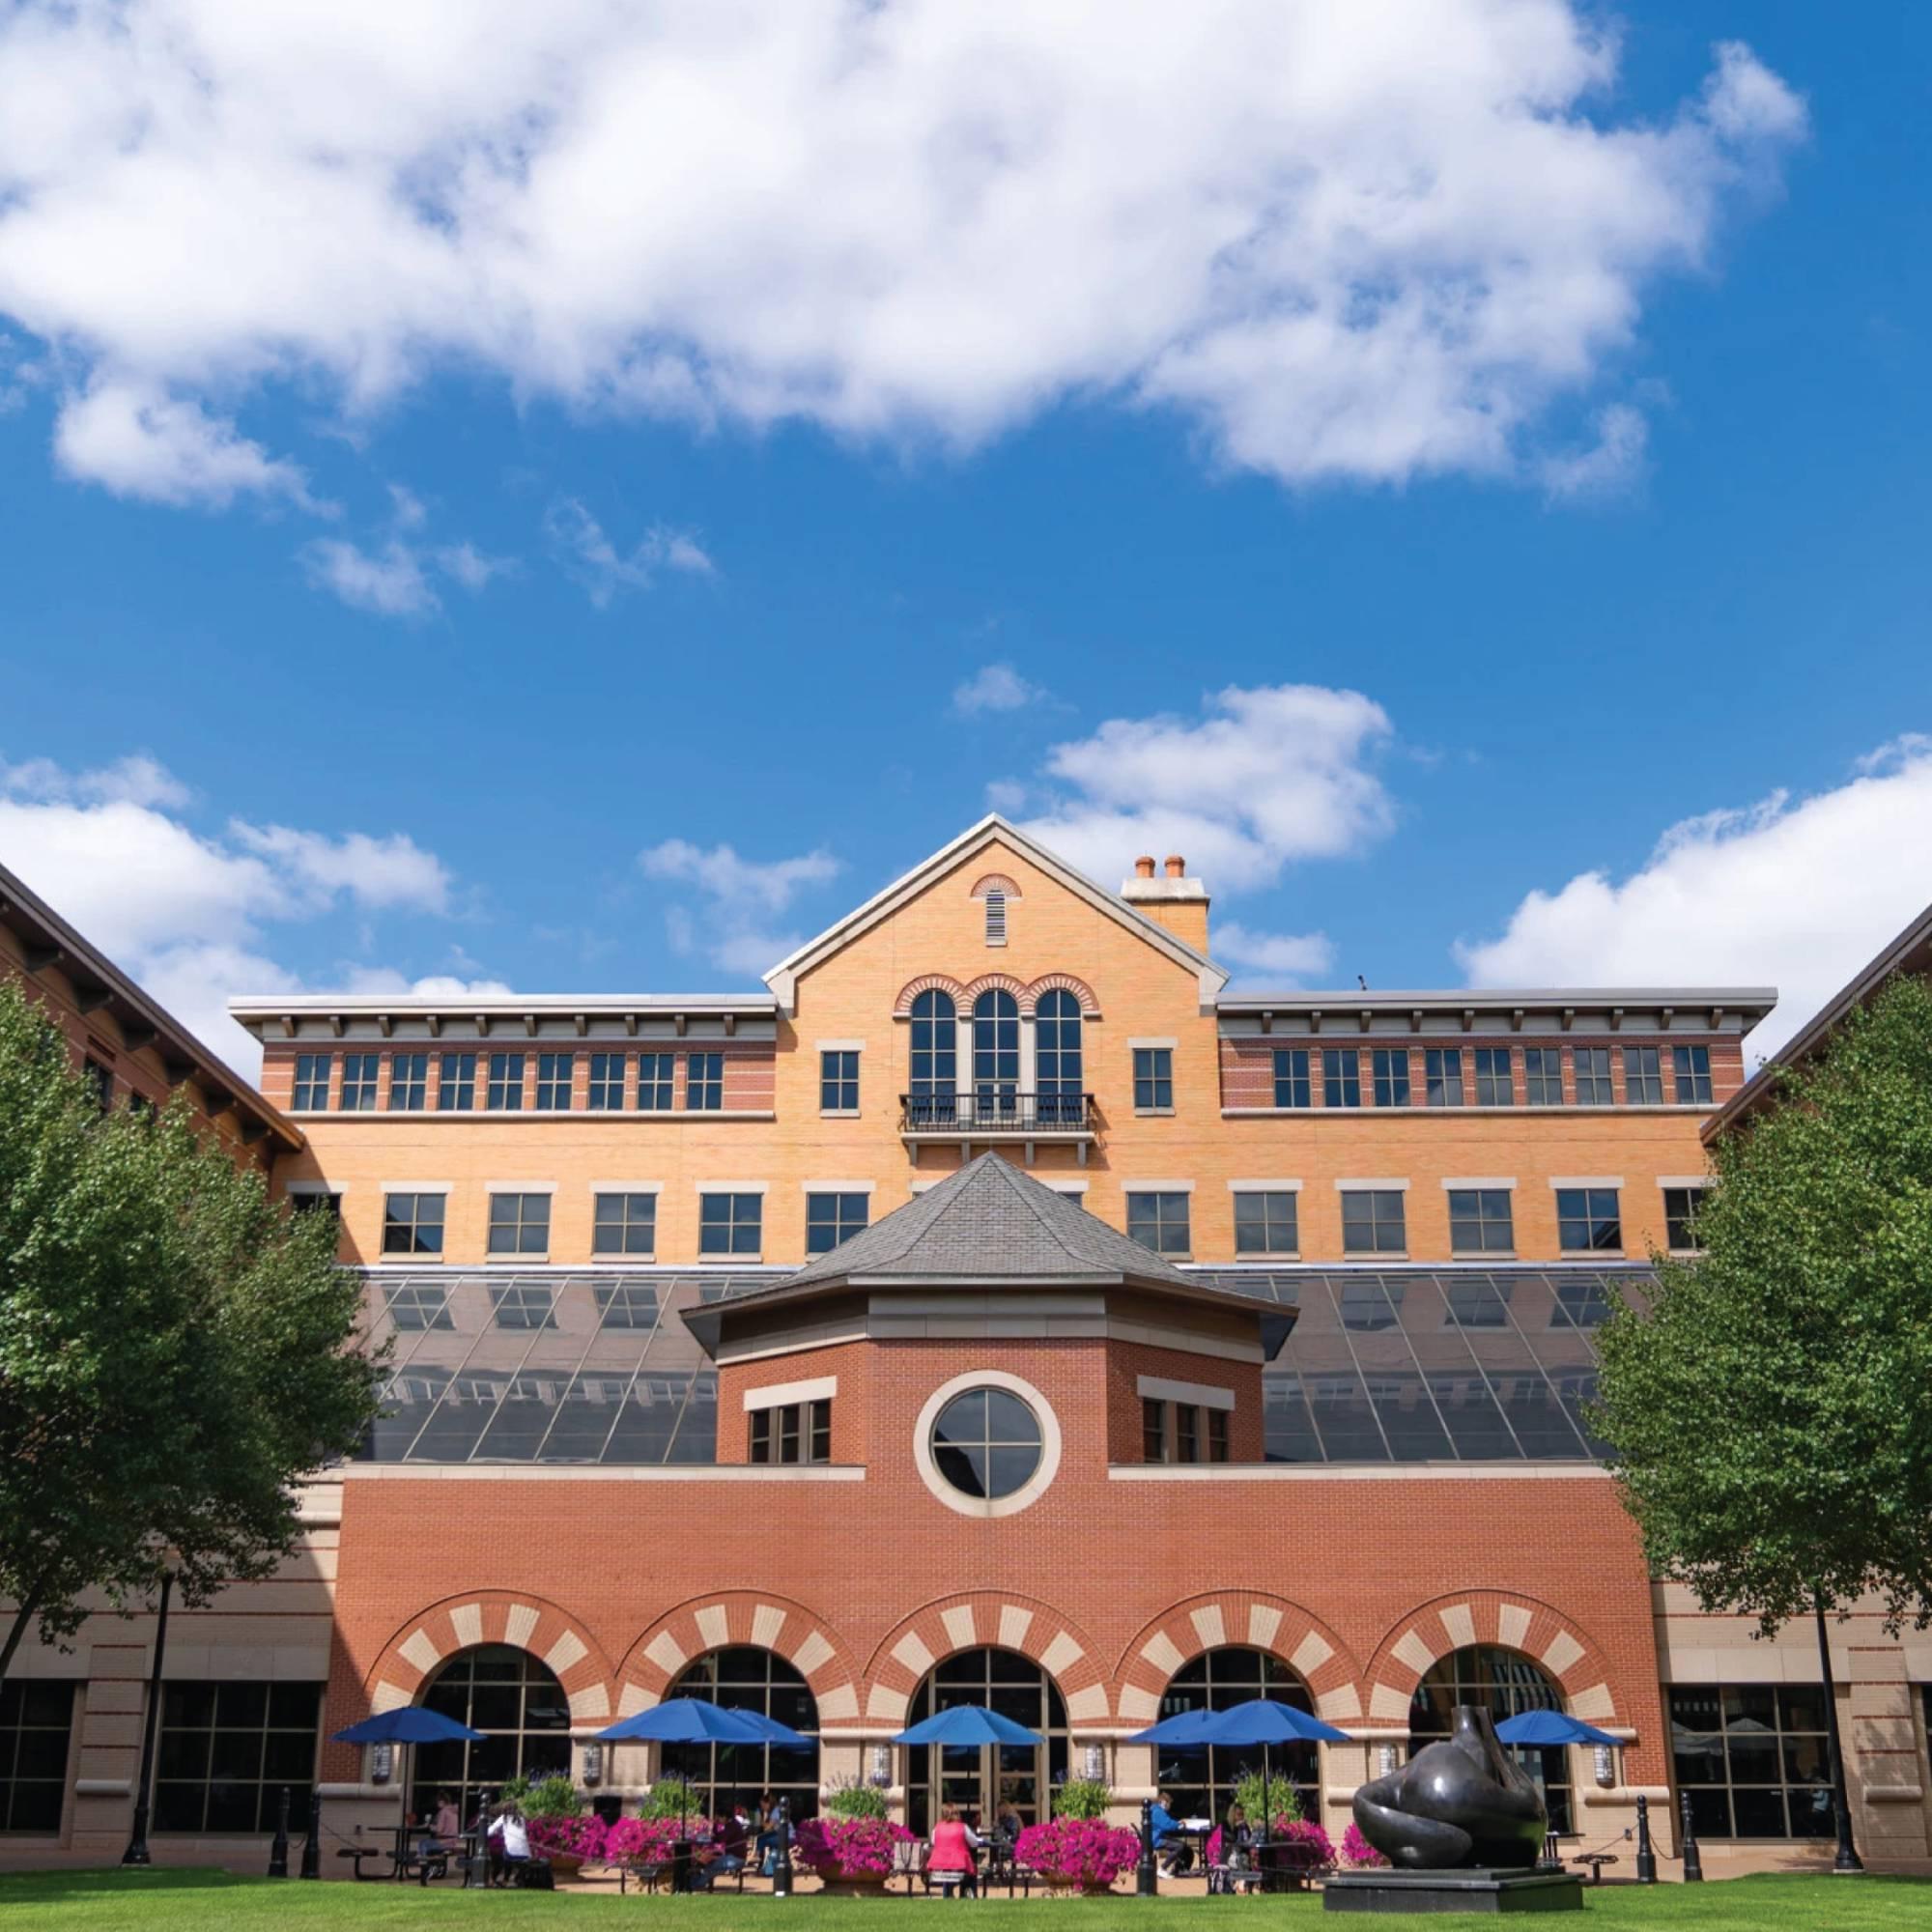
x=955, y=1845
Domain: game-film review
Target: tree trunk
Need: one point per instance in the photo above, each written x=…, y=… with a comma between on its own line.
x=22, y=1617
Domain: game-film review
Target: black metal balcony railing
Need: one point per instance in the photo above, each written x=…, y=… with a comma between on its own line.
x=996, y=1110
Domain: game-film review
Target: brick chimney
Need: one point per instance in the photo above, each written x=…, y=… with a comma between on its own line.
x=1175, y=901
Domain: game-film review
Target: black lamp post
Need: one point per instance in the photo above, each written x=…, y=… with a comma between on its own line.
x=1846, y=1858
x=1646, y=1852
x=137, y=1853
x=1147, y=1874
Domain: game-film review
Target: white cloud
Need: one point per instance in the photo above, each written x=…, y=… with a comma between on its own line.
x=389, y=581
x=1606, y=468
x=1367, y=241
x=1796, y=895
x=1266, y=777
x=137, y=442
x=741, y=896
x=470, y=567
x=1007, y=796
x=602, y=570
x=182, y=912
x=1286, y=957
x=996, y=687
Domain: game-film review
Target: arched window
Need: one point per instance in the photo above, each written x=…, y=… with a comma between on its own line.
x=935, y=1058
x=1501, y=1682
x=996, y=1054
x=746, y=1678
x=518, y=1705
x=983, y=1778
x=1060, y=1076
x=1202, y=1778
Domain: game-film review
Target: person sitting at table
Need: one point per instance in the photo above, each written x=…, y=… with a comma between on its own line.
x=772, y=1827
x=516, y=1842
x=955, y=1854
x=725, y=1853
x=1237, y=1849
x=1007, y=1821
x=446, y=1825
x=1167, y=1839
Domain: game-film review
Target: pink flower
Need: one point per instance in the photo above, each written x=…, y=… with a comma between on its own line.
x=1358, y=1851
x=1079, y=1851
x=835, y=1846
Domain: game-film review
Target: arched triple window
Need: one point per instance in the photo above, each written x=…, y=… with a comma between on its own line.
x=518, y=1705
x=1202, y=1778
x=1503, y=1683
x=935, y=1060
x=983, y=1780
x=996, y=1055
x=747, y=1678
x=1060, y=1076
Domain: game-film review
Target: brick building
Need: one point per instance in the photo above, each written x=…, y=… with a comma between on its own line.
x=854, y=1342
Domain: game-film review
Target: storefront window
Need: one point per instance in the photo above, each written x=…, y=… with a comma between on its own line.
x=1752, y=1759
x=745, y=1678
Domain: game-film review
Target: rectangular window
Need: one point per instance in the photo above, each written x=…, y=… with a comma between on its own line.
x=1593, y=1077
x=36, y=1721
x=1217, y=1436
x=606, y=1093
x=1542, y=1075
x=796, y=1432
x=1341, y=1077
x=1494, y=1085
x=624, y=1224
x=1373, y=1223
x=654, y=1075
x=1154, y=1078
x=1752, y=1758
x=412, y=1224
x=519, y=1224
x=313, y=1200
x=99, y=1083
x=1187, y=1432
x=1680, y=1219
x=1587, y=1219
x=1265, y=1222
x=226, y=1752
x=1442, y=1070
x=730, y=1224
x=703, y=1083
x=311, y=1092
x=1182, y=1431
x=455, y=1089
x=1692, y=1067
x=556, y=1074
x=1159, y=1221
x=838, y=1081
x=1290, y=1077
x=1479, y=1221
x=1154, y=1430
x=1643, y=1077
x=832, y=1218
x=1391, y=1070
x=408, y=1082
x=358, y=1083
x=507, y=1084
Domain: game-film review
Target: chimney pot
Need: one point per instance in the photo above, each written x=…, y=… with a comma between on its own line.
x=1144, y=866
x=1176, y=865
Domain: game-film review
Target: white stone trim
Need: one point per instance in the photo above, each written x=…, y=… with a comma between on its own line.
x=1265, y=1187
x=1376, y=1186
x=1156, y=1187
x=1701, y=1183
x=1586, y=1181
x=838, y=1046
x=519, y=1187
x=314, y=1187
x=411, y=1186
x=1030, y=1491
x=625, y=1186
x=1067, y=1186
x=1159, y=1388
x=837, y=1186
x=634, y=1472
x=1172, y=1046
x=1302, y=1472
x=1460, y=1182
x=778, y=1395
x=732, y=1186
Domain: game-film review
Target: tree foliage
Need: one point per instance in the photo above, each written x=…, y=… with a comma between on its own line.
x=174, y=1350
x=1770, y=1407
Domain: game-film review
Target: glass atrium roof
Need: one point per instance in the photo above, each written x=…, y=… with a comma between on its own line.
x=1407, y=1364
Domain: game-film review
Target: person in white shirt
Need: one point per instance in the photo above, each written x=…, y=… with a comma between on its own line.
x=516, y=1842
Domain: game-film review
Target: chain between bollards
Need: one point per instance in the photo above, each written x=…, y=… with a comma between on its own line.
x=278, y=1852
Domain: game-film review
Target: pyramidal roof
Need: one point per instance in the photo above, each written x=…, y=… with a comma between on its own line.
x=989, y=1221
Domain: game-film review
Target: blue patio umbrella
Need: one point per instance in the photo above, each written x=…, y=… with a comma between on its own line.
x=408, y=1724
x=1179, y=1729
x=967, y=1724
x=1549, y=1727
x=692, y=1721
x=1258, y=1720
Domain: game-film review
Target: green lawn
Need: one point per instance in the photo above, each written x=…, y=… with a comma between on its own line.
x=196, y=1901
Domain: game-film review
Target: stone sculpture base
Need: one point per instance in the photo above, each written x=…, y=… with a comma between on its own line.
x=1501, y=1888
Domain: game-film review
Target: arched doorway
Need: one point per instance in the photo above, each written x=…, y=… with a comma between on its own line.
x=518, y=1706
x=1202, y=1779
x=746, y=1678
x=981, y=1780
x=996, y=1055
x=1501, y=1682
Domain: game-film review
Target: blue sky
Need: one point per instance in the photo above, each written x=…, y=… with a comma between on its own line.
x=443, y=555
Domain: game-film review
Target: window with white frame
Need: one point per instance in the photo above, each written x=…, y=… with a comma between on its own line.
x=456, y=1084
x=311, y=1087
x=1480, y=1222
x=556, y=1072
x=1391, y=1074
x=1341, y=1076
x=1643, y=1077
x=506, y=1091
x=1158, y=1219
x=1592, y=1067
x=833, y=1218
x=408, y=1082
x=1691, y=1065
x=837, y=1080
x=1265, y=1221
x=730, y=1224
x=413, y=1223
x=1373, y=1221
x=1542, y=1075
x=519, y=1224
x=358, y=1083
x=1442, y=1070
x=1587, y=1220
x=703, y=1083
x=624, y=1223
x=1154, y=1079
x=605, y=1093
x=656, y=1073
x=1494, y=1086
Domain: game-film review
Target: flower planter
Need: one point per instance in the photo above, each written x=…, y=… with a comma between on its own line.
x=839, y=1883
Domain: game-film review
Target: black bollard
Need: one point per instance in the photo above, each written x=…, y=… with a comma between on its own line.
x=1646, y=1852
x=781, y=1866
x=1147, y=1875
x=278, y=1852
x=1694, y=1865
x=311, y=1864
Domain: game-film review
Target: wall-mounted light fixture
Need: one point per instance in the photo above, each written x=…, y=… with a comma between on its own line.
x=1606, y=1764
x=1384, y=1760
x=593, y=1764
x=882, y=1765
x=1094, y=1763
x=381, y=1763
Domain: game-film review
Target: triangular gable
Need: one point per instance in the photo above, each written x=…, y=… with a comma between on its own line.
x=783, y=978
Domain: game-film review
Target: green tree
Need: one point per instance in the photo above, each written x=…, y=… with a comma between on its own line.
x=1770, y=1405
x=175, y=1352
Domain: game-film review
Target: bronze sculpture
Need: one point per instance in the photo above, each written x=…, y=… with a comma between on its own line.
x=1460, y=1802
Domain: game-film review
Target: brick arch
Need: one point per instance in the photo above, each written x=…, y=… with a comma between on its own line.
x=519, y=1618
x=926, y=983
x=994, y=882
x=1507, y=1618
x=993, y=982
x=760, y=1618
x=1060, y=982
x=975, y=1619
x=1252, y=1620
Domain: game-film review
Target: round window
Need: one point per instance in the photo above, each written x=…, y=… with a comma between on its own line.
x=986, y=1443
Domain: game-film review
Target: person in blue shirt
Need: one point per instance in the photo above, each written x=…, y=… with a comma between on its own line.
x=1167, y=1837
